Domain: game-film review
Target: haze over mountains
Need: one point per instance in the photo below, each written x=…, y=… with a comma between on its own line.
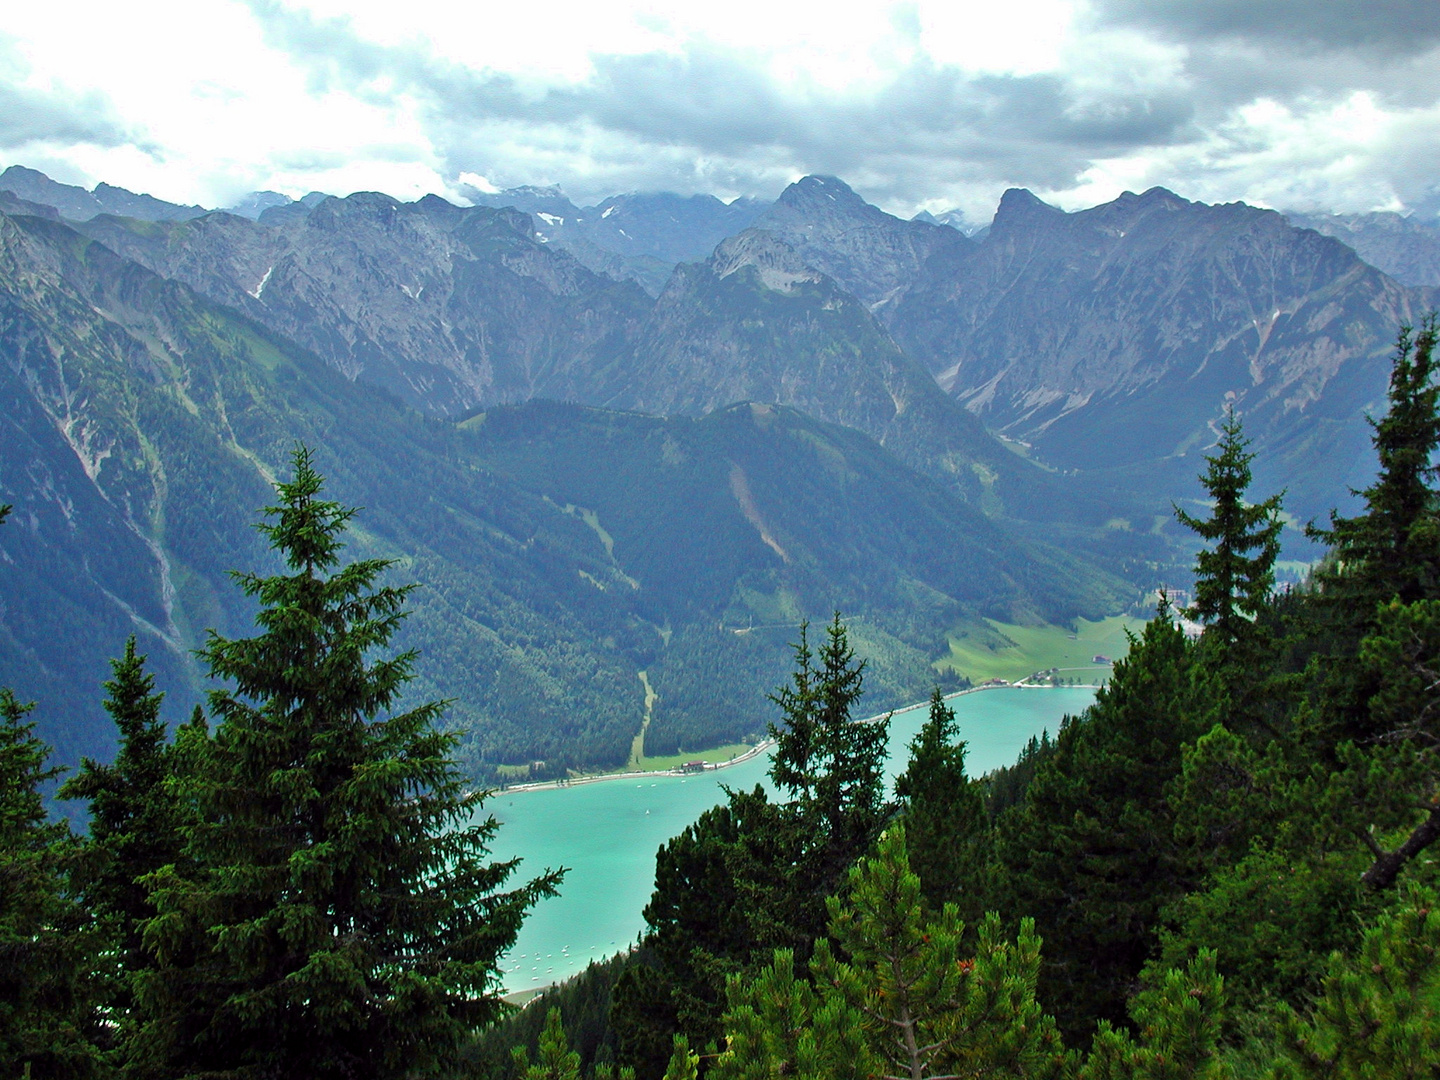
x=943, y=428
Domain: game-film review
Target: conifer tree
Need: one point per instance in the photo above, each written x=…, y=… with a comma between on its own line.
x=1090, y=853
x=1234, y=578
x=134, y=816
x=50, y=1024
x=751, y=875
x=926, y=1010
x=339, y=919
x=555, y=1059
x=1392, y=548
x=946, y=825
x=833, y=767
x=1378, y=1012
x=684, y=1062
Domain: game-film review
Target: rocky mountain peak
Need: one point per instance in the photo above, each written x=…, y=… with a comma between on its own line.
x=868, y=252
x=1021, y=204
x=779, y=267
x=828, y=195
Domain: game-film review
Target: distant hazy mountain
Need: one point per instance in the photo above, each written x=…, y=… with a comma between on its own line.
x=956, y=220
x=869, y=252
x=1405, y=247
x=257, y=202
x=1112, y=338
x=444, y=306
x=78, y=204
x=755, y=322
x=637, y=237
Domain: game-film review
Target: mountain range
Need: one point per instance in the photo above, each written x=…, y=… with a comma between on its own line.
x=635, y=444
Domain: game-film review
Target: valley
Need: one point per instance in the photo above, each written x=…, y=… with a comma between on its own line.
x=598, y=475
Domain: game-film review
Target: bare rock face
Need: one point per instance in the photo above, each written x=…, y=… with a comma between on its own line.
x=449, y=308
x=77, y=204
x=1115, y=337
x=1405, y=247
x=756, y=322
x=867, y=251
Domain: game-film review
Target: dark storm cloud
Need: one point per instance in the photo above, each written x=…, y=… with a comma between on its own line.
x=717, y=103
x=1402, y=27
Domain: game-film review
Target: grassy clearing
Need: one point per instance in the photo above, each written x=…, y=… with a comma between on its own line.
x=1012, y=652
x=672, y=761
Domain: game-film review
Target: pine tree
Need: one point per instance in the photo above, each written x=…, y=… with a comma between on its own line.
x=50, y=1023
x=134, y=816
x=1234, y=578
x=340, y=919
x=926, y=1010
x=555, y=1059
x=1378, y=1012
x=1179, y=1023
x=776, y=1025
x=946, y=826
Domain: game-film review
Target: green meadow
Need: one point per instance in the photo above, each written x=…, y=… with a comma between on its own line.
x=999, y=650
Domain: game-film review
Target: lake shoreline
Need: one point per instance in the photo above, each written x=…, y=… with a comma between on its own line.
x=762, y=746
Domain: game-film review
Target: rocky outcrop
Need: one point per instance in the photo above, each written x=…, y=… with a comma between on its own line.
x=867, y=251
x=449, y=308
x=1407, y=247
x=1115, y=337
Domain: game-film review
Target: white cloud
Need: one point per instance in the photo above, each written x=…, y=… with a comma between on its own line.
x=916, y=104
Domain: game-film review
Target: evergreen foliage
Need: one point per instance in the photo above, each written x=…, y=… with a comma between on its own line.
x=947, y=827
x=135, y=818
x=50, y=994
x=1090, y=853
x=751, y=875
x=556, y=1061
x=832, y=767
x=1392, y=549
x=337, y=917
x=1378, y=1013
x=924, y=1009
x=1234, y=577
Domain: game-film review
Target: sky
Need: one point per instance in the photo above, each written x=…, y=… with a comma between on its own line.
x=1296, y=104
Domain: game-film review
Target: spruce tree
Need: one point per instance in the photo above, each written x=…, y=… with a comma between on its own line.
x=1234, y=577
x=134, y=817
x=751, y=876
x=946, y=825
x=339, y=919
x=50, y=1022
x=832, y=766
x=1391, y=550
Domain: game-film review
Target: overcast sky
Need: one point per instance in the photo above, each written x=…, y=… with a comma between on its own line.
x=1301, y=104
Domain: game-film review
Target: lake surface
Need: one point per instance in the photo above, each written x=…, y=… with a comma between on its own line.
x=607, y=833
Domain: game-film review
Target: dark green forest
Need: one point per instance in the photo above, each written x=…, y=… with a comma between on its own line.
x=1223, y=868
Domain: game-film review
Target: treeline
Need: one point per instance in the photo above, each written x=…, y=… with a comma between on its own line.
x=300, y=889
x=1224, y=867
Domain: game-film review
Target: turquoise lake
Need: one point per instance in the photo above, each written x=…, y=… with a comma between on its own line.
x=607, y=833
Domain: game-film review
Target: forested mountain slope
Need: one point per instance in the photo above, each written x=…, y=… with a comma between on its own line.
x=147, y=421
x=757, y=516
